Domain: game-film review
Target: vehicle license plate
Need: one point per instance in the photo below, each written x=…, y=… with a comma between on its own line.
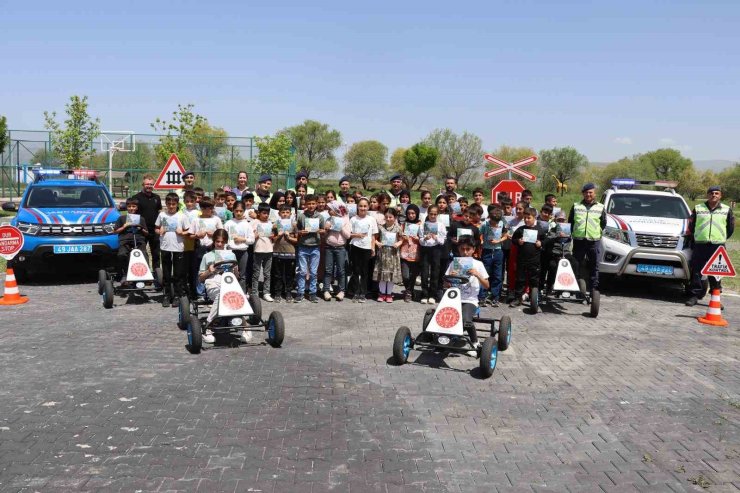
x=666, y=270
x=72, y=248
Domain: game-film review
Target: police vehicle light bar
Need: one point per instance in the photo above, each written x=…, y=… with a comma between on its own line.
x=631, y=182
x=72, y=174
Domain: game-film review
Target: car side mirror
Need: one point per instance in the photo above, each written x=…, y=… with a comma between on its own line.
x=10, y=207
x=122, y=206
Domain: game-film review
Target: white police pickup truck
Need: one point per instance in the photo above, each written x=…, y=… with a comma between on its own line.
x=646, y=231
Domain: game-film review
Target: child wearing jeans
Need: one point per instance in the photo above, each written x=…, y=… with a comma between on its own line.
x=388, y=263
x=283, y=255
x=494, y=233
x=173, y=227
x=263, y=234
x=469, y=292
x=309, y=225
x=338, y=232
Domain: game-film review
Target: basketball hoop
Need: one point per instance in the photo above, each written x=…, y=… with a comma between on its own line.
x=112, y=141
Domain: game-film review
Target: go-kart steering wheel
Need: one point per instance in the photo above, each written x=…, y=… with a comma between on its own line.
x=456, y=280
x=225, y=265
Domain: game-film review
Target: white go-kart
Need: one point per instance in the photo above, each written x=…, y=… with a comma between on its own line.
x=567, y=288
x=443, y=331
x=139, y=279
x=237, y=312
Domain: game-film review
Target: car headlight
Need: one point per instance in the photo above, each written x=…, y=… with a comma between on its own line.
x=28, y=228
x=617, y=235
x=236, y=321
x=109, y=227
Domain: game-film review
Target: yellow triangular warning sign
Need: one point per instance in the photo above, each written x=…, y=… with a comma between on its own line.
x=719, y=264
x=171, y=175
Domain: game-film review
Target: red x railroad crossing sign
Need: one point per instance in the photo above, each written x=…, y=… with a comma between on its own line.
x=510, y=167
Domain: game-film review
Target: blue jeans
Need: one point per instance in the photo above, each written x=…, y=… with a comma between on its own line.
x=335, y=258
x=308, y=263
x=493, y=261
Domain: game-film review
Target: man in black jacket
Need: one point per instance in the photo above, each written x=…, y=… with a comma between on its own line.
x=150, y=204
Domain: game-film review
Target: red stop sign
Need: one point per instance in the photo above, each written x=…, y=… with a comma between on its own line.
x=512, y=188
x=11, y=241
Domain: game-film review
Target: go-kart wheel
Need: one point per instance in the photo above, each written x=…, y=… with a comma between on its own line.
x=275, y=329
x=159, y=276
x=582, y=289
x=183, y=312
x=256, y=304
x=488, y=357
x=595, y=303
x=427, y=318
x=504, y=333
x=102, y=277
x=195, y=335
x=402, y=345
x=108, y=294
x=534, y=300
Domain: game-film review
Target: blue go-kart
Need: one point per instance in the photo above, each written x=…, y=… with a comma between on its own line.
x=443, y=330
x=237, y=313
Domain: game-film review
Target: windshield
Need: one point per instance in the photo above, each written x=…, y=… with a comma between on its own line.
x=648, y=205
x=45, y=197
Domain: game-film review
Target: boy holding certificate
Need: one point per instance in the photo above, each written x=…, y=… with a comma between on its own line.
x=528, y=239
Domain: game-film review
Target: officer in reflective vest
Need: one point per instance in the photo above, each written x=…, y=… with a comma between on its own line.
x=711, y=224
x=588, y=219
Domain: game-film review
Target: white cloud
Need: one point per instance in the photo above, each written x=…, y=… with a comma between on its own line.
x=667, y=141
x=623, y=140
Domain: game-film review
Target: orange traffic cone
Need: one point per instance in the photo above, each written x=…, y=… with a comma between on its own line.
x=714, y=312
x=12, y=295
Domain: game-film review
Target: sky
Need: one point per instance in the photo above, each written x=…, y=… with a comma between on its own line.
x=609, y=78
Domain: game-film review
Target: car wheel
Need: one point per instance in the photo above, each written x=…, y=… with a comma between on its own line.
x=504, y=333
x=427, y=318
x=402, y=345
x=108, y=294
x=488, y=357
x=256, y=304
x=183, y=312
x=195, y=335
x=275, y=329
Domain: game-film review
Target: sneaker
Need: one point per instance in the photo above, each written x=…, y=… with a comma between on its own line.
x=327, y=296
x=314, y=298
x=362, y=300
x=298, y=299
x=493, y=303
x=515, y=303
x=208, y=337
x=423, y=301
x=389, y=298
x=692, y=301
x=408, y=297
x=474, y=352
x=278, y=299
x=340, y=296
x=267, y=298
x=165, y=302
x=483, y=303
x=525, y=297
x=381, y=298
x=246, y=336
x=431, y=301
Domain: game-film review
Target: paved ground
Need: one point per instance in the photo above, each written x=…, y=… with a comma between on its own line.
x=643, y=399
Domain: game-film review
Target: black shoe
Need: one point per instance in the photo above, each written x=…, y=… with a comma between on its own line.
x=175, y=302
x=692, y=301
x=314, y=299
x=165, y=302
x=515, y=303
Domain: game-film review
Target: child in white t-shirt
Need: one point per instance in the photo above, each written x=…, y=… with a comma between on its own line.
x=173, y=227
x=469, y=292
x=241, y=235
x=203, y=230
x=362, y=247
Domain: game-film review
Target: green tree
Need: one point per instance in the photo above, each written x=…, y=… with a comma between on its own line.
x=397, y=165
x=46, y=158
x=627, y=167
x=4, y=140
x=207, y=143
x=275, y=153
x=366, y=161
x=177, y=134
x=690, y=183
x=73, y=142
x=459, y=155
x=729, y=178
x=668, y=164
x=314, y=144
x=418, y=162
x=561, y=164
x=508, y=154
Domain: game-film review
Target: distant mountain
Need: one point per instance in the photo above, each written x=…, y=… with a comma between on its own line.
x=713, y=164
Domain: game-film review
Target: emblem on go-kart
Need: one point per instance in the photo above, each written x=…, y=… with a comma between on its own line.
x=447, y=317
x=233, y=300
x=566, y=279
x=139, y=269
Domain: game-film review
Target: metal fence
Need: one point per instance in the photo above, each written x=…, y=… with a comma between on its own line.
x=216, y=161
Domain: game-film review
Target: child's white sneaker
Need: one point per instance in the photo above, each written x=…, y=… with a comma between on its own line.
x=431, y=301
x=267, y=298
x=208, y=337
x=327, y=296
x=246, y=336
x=423, y=301
x=474, y=352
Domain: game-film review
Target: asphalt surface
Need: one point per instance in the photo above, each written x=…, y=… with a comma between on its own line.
x=644, y=398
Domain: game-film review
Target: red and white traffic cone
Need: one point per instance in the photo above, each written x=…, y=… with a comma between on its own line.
x=12, y=296
x=714, y=312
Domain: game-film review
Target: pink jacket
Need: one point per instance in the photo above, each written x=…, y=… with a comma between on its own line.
x=338, y=238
